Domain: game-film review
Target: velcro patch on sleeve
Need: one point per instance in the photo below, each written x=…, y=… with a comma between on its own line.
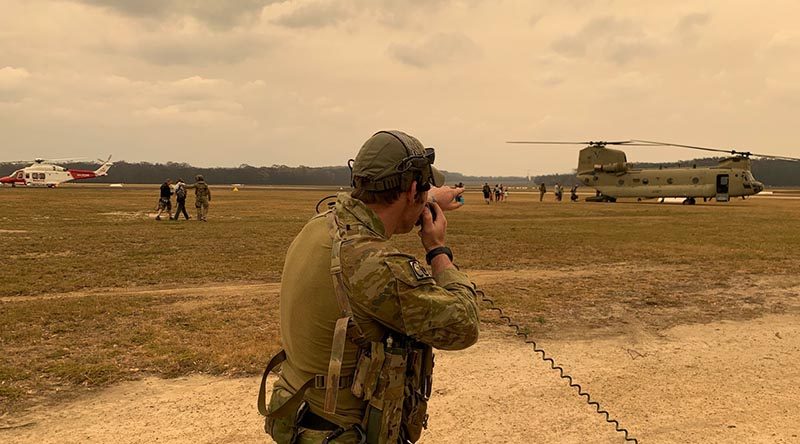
x=419, y=271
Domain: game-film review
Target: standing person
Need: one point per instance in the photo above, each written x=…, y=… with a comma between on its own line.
x=202, y=197
x=573, y=193
x=165, y=199
x=558, y=192
x=180, y=200
x=542, y=191
x=359, y=317
x=460, y=197
x=487, y=192
x=496, y=193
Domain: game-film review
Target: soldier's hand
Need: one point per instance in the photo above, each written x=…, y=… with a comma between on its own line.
x=446, y=197
x=432, y=231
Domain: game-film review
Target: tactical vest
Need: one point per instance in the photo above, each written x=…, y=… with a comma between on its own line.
x=393, y=375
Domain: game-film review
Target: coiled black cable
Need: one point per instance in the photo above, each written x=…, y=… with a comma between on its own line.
x=519, y=331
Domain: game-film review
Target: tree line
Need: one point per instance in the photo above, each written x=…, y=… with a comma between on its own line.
x=775, y=173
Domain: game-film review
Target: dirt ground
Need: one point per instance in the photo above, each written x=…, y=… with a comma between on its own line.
x=722, y=382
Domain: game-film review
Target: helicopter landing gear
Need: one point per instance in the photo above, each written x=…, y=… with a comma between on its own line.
x=601, y=198
x=689, y=201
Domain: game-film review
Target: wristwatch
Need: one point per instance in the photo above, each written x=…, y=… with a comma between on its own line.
x=437, y=251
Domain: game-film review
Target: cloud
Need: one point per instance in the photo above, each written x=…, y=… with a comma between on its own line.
x=690, y=22
x=198, y=50
x=394, y=14
x=215, y=13
x=12, y=81
x=11, y=77
x=619, y=40
x=437, y=49
x=315, y=15
x=689, y=26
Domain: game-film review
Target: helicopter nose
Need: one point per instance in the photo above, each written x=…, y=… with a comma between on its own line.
x=758, y=187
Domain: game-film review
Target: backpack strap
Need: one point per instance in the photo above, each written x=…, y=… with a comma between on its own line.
x=346, y=326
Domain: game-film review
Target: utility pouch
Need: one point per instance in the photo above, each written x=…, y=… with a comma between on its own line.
x=370, y=362
x=418, y=386
x=384, y=414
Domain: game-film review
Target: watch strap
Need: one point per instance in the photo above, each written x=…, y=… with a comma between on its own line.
x=437, y=251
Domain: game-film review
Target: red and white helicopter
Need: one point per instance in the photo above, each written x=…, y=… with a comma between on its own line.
x=42, y=173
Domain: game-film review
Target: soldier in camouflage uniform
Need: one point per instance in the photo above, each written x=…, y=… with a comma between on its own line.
x=388, y=299
x=202, y=197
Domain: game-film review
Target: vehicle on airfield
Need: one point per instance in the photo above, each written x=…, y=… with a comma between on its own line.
x=607, y=171
x=44, y=173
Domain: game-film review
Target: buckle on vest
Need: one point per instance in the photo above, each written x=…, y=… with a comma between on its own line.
x=321, y=382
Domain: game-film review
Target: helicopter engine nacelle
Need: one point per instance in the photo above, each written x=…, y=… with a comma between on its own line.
x=616, y=167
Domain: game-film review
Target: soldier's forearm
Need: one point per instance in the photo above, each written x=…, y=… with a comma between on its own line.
x=440, y=263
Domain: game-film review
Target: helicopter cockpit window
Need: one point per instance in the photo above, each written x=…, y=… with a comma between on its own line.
x=645, y=181
x=19, y=175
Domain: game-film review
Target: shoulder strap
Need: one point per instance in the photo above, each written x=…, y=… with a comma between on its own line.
x=288, y=406
x=346, y=326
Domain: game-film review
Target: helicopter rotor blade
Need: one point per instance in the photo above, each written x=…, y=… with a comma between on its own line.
x=598, y=142
x=638, y=142
x=66, y=159
x=41, y=160
x=703, y=148
x=536, y=142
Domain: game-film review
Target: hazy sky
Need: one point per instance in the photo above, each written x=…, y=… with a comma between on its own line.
x=305, y=82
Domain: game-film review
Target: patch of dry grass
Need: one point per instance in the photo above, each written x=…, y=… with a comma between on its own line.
x=566, y=270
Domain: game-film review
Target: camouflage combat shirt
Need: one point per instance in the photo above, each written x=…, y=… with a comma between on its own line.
x=389, y=292
x=201, y=191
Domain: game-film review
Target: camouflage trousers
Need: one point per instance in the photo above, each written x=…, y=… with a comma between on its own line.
x=286, y=431
x=308, y=436
x=202, y=208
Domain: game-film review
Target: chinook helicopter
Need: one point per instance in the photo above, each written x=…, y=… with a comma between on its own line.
x=607, y=171
x=44, y=173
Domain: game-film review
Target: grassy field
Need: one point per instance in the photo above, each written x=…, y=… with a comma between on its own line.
x=94, y=291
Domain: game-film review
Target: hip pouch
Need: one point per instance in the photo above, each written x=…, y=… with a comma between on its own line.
x=396, y=380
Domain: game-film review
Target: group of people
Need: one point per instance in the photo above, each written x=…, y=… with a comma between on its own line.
x=558, y=190
x=498, y=194
x=202, y=198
